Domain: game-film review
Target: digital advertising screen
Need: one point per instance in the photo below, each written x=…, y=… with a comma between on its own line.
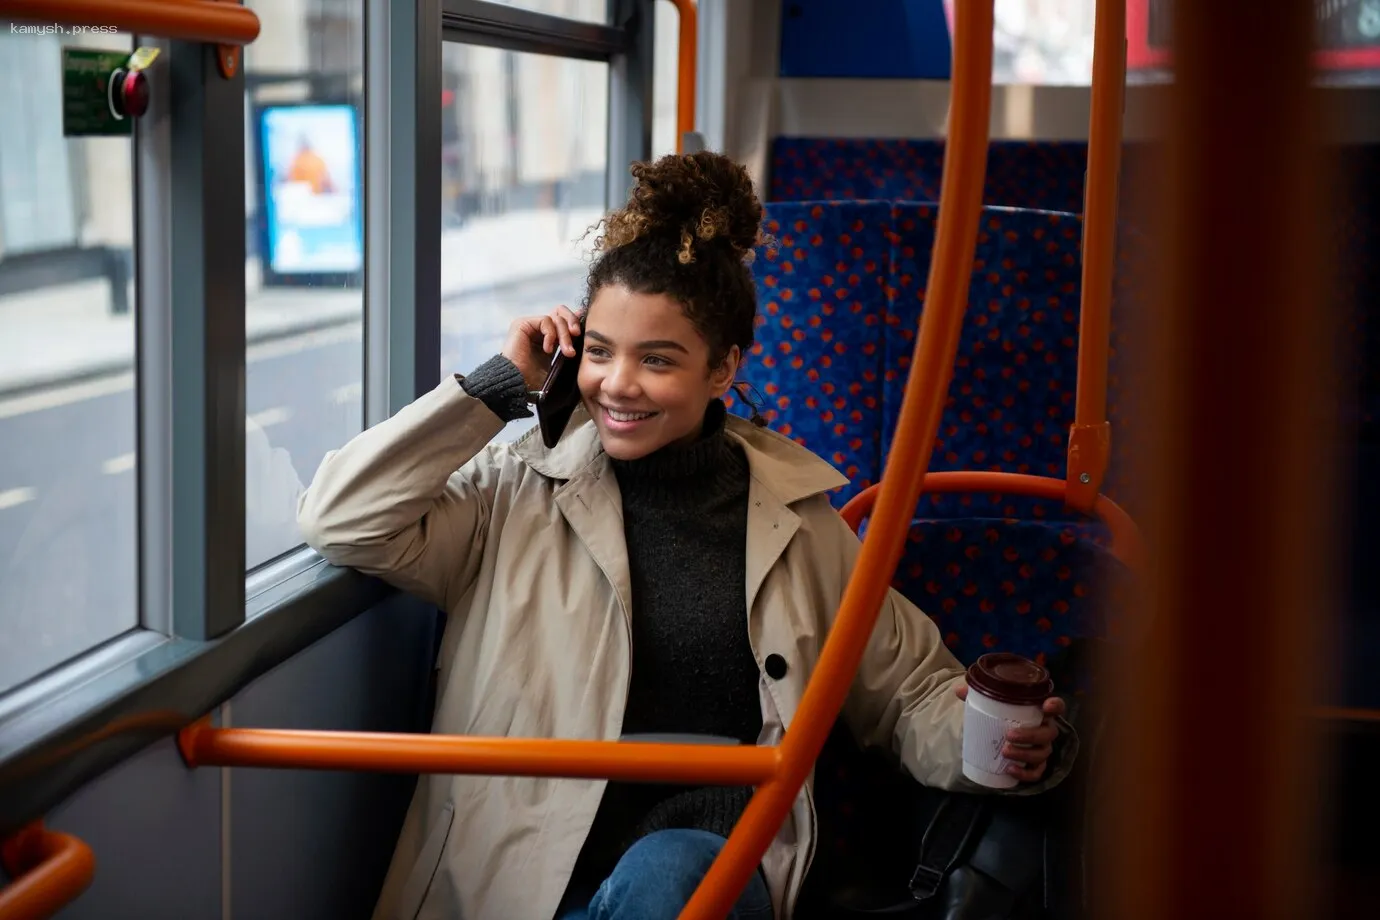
x=1348, y=34
x=311, y=201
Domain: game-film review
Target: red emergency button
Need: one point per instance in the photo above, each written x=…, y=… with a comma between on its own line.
x=136, y=93
x=129, y=96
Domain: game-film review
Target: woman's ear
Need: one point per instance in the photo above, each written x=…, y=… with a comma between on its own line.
x=721, y=378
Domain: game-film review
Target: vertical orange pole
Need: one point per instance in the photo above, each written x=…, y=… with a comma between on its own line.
x=1215, y=786
x=926, y=388
x=1090, y=439
x=686, y=64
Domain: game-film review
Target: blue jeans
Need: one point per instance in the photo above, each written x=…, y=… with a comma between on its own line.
x=657, y=876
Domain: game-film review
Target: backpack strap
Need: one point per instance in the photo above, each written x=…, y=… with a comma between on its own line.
x=957, y=821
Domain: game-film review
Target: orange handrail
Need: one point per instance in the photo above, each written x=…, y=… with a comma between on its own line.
x=1090, y=438
x=50, y=870
x=189, y=20
x=396, y=752
x=685, y=70
x=927, y=386
x=1127, y=543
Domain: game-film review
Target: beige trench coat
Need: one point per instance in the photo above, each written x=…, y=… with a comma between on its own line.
x=524, y=549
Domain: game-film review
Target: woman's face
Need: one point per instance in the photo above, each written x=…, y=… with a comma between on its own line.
x=645, y=377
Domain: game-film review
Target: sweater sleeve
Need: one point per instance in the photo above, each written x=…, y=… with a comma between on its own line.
x=499, y=385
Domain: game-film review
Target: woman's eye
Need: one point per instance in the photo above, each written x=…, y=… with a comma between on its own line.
x=658, y=361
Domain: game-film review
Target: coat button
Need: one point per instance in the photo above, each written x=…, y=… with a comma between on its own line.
x=776, y=667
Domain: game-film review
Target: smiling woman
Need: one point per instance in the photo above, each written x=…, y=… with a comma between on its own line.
x=660, y=524
x=671, y=303
x=670, y=307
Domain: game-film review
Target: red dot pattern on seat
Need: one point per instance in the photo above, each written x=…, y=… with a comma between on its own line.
x=1011, y=399
x=1020, y=174
x=1002, y=585
x=821, y=307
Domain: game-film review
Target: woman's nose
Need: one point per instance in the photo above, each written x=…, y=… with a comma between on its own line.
x=621, y=381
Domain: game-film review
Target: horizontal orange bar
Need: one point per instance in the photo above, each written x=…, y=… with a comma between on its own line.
x=50, y=870
x=635, y=761
x=188, y=20
x=1127, y=544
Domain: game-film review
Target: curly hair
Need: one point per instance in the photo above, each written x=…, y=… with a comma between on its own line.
x=687, y=232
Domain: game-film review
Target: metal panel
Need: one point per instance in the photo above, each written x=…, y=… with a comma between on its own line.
x=208, y=343
x=154, y=355
x=308, y=843
x=711, y=72
x=479, y=23
x=630, y=97
x=55, y=742
x=379, y=68
x=413, y=203
x=155, y=828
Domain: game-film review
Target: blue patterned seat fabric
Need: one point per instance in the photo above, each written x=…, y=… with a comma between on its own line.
x=841, y=289
x=1034, y=175
x=1020, y=174
x=989, y=582
x=1010, y=585
x=821, y=309
x=1011, y=399
x=858, y=364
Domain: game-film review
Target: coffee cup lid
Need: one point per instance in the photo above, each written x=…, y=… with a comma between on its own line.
x=1009, y=678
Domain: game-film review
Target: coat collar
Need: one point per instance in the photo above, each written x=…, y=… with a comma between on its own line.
x=789, y=471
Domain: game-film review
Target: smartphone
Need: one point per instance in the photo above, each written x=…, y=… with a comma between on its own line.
x=560, y=394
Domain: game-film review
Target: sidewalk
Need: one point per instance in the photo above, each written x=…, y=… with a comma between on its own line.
x=65, y=333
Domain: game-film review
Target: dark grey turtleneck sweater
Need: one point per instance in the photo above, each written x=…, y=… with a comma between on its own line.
x=685, y=524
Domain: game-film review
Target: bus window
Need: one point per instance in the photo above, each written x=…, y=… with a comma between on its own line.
x=68, y=518
x=304, y=295
x=523, y=178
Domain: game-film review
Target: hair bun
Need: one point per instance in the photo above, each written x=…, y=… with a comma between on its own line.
x=700, y=199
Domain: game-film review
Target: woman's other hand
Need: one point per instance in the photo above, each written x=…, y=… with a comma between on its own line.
x=1029, y=746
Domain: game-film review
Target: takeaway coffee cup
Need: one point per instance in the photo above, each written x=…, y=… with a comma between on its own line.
x=1005, y=691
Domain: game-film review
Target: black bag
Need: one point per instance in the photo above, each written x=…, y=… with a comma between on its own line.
x=949, y=856
x=892, y=849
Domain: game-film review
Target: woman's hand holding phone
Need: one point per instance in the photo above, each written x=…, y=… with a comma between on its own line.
x=532, y=340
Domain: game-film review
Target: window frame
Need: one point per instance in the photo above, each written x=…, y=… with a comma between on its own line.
x=207, y=629
x=496, y=25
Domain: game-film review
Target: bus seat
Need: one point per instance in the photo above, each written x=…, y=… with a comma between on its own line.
x=1021, y=326
x=1012, y=586
x=1046, y=175
x=1040, y=175
x=816, y=363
